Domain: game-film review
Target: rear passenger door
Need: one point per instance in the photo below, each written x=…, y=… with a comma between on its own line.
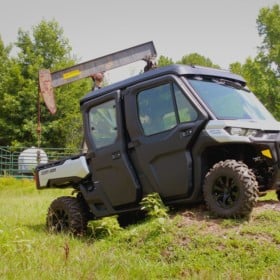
x=110, y=167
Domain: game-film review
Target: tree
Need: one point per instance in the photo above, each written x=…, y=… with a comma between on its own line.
x=164, y=61
x=268, y=23
x=4, y=62
x=262, y=73
x=47, y=48
x=197, y=59
x=5, y=65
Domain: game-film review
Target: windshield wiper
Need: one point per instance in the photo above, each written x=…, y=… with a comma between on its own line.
x=230, y=83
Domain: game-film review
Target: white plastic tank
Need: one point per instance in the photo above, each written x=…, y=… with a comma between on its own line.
x=30, y=158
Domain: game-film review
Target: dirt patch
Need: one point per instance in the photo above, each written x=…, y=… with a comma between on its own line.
x=267, y=205
x=201, y=217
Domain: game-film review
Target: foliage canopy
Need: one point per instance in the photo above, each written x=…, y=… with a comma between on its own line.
x=263, y=72
x=47, y=47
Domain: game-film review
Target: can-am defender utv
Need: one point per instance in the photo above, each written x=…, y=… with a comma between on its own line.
x=188, y=133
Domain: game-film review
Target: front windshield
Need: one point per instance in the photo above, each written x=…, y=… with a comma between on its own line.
x=228, y=100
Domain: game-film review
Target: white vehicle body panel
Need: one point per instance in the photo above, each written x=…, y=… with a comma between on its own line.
x=76, y=167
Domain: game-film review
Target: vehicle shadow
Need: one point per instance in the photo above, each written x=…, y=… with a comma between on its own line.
x=196, y=214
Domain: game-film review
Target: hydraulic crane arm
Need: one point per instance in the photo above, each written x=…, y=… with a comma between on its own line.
x=48, y=81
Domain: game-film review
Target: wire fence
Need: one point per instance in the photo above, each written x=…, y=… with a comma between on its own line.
x=21, y=162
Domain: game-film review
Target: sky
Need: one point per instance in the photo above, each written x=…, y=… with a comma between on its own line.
x=223, y=30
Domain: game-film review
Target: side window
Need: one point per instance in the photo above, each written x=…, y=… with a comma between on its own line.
x=156, y=109
x=163, y=107
x=103, y=124
x=186, y=111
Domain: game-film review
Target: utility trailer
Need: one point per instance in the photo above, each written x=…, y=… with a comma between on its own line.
x=188, y=133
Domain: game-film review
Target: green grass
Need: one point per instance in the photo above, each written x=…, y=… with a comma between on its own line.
x=187, y=245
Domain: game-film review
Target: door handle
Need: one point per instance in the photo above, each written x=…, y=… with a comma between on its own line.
x=116, y=155
x=187, y=132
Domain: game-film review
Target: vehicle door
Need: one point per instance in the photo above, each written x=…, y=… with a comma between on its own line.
x=163, y=122
x=109, y=164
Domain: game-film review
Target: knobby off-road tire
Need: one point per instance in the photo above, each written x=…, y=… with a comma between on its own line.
x=67, y=214
x=230, y=189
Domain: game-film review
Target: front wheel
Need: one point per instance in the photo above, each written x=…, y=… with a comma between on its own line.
x=230, y=189
x=67, y=214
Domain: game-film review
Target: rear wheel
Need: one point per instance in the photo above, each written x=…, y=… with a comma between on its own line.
x=230, y=189
x=67, y=214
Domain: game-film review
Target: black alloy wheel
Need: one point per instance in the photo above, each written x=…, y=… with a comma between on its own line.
x=230, y=189
x=67, y=214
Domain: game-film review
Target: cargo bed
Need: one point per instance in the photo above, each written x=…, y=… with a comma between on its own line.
x=54, y=174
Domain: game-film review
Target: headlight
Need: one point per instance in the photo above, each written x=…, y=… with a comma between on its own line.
x=239, y=131
x=252, y=132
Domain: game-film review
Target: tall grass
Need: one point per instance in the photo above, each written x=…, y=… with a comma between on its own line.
x=185, y=245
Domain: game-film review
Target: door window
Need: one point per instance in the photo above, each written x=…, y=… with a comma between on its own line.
x=186, y=111
x=103, y=124
x=161, y=108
